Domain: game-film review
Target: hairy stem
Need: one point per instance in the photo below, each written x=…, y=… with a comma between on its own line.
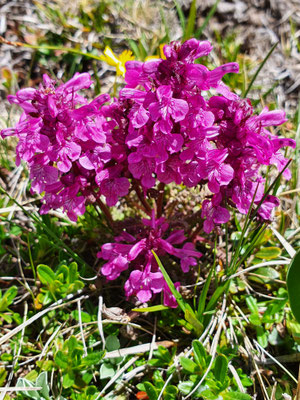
x=142, y=199
x=160, y=199
x=106, y=212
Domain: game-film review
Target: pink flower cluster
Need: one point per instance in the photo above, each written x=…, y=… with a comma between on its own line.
x=175, y=121
x=136, y=254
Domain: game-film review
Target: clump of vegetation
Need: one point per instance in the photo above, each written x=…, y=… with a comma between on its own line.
x=156, y=266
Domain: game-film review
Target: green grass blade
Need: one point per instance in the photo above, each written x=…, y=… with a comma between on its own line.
x=180, y=15
x=165, y=24
x=293, y=283
x=216, y=295
x=159, y=307
x=203, y=296
x=259, y=69
x=250, y=249
x=189, y=314
x=182, y=304
x=135, y=49
x=240, y=242
x=207, y=19
x=189, y=30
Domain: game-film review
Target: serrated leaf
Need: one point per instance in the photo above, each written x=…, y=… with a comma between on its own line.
x=268, y=253
x=293, y=284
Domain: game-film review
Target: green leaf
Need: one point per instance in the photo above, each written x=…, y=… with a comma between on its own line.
x=3, y=305
x=203, y=296
x=171, y=389
x=151, y=391
x=45, y=274
x=189, y=365
x=73, y=274
x=259, y=69
x=61, y=359
x=68, y=379
x=182, y=304
x=193, y=320
x=107, y=370
x=112, y=343
x=268, y=274
x=293, y=284
x=180, y=15
x=186, y=308
x=207, y=19
x=252, y=304
x=10, y=294
x=199, y=353
x=220, y=368
x=236, y=396
x=207, y=394
x=135, y=48
x=51, y=235
x=191, y=21
x=31, y=394
x=159, y=307
x=268, y=253
x=87, y=377
x=3, y=374
x=93, y=358
x=216, y=295
x=255, y=319
x=42, y=381
x=71, y=344
x=185, y=387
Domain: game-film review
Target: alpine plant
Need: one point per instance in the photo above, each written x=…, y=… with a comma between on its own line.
x=174, y=122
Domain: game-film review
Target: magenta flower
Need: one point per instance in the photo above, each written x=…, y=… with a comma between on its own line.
x=143, y=284
x=166, y=107
x=164, y=127
x=146, y=279
x=214, y=213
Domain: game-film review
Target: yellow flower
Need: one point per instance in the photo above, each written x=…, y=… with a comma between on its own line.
x=161, y=53
x=117, y=61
